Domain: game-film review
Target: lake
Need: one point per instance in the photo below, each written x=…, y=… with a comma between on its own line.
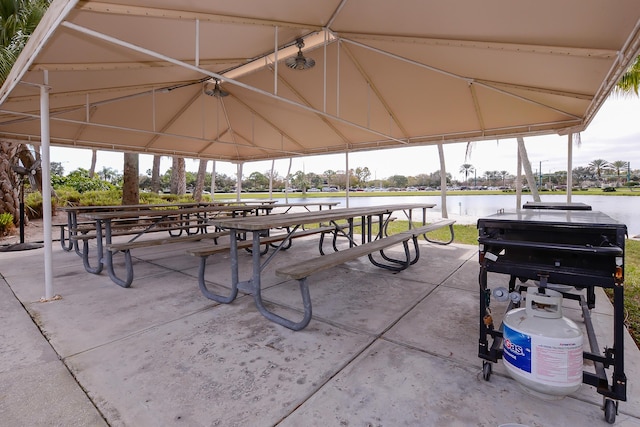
x=467, y=209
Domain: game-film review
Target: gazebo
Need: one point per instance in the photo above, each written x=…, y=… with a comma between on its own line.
x=267, y=79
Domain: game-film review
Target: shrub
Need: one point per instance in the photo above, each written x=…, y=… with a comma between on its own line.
x=608, y=189
x=33, y=205
x=80, y=183
x=6, y=223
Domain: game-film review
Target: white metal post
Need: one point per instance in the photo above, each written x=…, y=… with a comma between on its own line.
x=443, y=182
x=346, y=155
x=519, y=181
x=46, y=188
x=569, y=166
x=239, y=181
x=287, y=182
x=213, y=181
x=273, y=164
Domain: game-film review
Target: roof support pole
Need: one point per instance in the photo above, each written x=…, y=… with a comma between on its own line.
x=569, y=166
x=273, y=164
x=324, y=73
x=338, y=78
x=213, y=182
x=443, y=182
x=519, y=181
x=287, y=183
x=239, y=180
x=46, y=187
x=522, y=152
x=347, y=174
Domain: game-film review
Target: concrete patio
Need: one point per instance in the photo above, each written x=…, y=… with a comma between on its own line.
x=382, y=349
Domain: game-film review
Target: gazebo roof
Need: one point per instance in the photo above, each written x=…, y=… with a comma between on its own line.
x=141, y=76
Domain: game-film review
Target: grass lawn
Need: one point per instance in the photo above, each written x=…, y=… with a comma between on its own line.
x=468, y=234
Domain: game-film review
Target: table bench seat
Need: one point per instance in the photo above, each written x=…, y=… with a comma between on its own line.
x=300, y=270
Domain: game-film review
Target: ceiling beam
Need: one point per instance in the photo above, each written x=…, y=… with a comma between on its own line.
x=373, y=87
x=146, y=12
x=136, y=65
x=478, y=44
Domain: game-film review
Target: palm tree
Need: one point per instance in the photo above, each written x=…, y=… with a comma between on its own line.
x=466, y=169
x=504, y=174
x=18, y=19
x=202, y=173
x=598, y=166
x=630, y=80
x=130, y=184
x=618, y=165
x=178, y=176
x=94, y=159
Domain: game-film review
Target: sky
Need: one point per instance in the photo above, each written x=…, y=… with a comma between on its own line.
x=614, y=134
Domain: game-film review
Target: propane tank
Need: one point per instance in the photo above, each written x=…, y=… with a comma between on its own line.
x=543, y=349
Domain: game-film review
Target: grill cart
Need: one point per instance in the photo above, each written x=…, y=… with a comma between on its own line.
x=559, y=249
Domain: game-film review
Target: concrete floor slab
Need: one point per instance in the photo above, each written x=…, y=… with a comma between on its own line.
x=382, y=348
x=393, y=385
x=45, y=395
x=22, y=343
x=351, y=299
x=226, y=366
x=101, y=314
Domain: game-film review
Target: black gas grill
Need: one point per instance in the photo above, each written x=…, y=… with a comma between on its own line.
x=580, y=248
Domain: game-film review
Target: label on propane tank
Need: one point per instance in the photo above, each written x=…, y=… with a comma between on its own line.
x=551, y=361
x=517, y=349
x=558, y=362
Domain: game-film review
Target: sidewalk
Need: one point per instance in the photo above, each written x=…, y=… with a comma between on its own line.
x=382, y=349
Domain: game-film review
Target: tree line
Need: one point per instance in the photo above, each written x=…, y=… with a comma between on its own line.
x=598, y=171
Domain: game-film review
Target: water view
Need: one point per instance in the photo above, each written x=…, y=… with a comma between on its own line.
x=621, y=208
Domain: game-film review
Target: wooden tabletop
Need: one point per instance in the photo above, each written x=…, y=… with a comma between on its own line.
x=80, y=209
x=164, y=212
x=265, y=222
x=304, y=204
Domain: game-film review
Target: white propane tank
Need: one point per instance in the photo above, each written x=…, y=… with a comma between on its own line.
x=543, y=349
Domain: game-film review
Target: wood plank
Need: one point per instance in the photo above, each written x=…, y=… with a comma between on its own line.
x=164, y=241
x=253, y=223
x=304, y=269
x=429, y=227
x=243, y=244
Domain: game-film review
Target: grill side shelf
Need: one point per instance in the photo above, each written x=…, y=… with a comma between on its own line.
x=597, y=250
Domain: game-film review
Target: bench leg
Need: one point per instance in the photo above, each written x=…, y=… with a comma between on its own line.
x=66, y=243
x=85, y=258
x=254, y=287
x=128, y=268
x=321, y=244
x=287, y=323
x=439, y=242
x=395, y=264
x=207, y=293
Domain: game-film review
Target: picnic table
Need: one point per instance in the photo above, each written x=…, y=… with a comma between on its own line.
x=369, y=243
x=70, y=228
x=154, y=220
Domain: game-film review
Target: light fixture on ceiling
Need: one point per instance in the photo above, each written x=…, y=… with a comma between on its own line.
x=299, y=62
x=216, y=91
